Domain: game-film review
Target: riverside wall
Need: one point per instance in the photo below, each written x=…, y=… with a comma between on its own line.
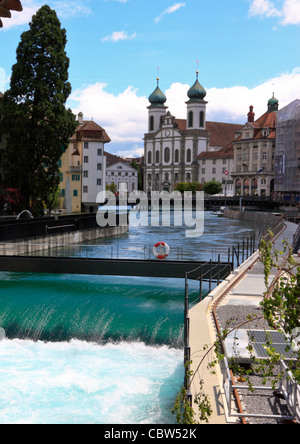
x=268, y=219
x=48, y=242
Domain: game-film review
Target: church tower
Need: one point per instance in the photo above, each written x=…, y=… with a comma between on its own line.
x=196, y=106
x=157, y=109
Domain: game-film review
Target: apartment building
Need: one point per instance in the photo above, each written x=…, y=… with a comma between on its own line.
x=254, y=154
x=83, y=168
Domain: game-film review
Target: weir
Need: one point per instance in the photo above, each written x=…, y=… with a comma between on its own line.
x=211, y=271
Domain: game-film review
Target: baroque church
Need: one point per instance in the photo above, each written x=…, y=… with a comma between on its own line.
x=172, y=146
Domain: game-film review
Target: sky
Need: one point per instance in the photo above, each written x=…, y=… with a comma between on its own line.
x=244, y=49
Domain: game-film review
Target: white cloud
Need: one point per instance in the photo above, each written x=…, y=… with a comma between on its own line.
x=116, y=36
x=169, y=10
x=288, y=11
x=232, y=104
x=125, y=116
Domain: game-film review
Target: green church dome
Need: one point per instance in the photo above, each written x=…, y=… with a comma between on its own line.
x=157, y=97
x=273, y=104
x=197, y=92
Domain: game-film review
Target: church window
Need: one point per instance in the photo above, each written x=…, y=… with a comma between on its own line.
x=149, y=157
x=157, y=157
x=176, y=156
x=151, y=123
x=167, y=155
x=191, y=119
x=189, y=156
x=201, y=121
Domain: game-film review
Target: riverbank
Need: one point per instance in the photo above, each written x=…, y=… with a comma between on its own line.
x=238, y=295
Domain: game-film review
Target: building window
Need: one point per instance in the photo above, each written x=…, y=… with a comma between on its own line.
x=189, y=155
x=157, y=157
x=86, y=159
x=151, y=123
x=99, y=182
x=58, y=163
x=167, y=155
x=86, y=145
x=85, y=189
x=99, y=152
x=61, y=177
x=149, y=157
x=203, y=170
x=191, y=119
x=214, y=170
x=62, y=193
x=176, y=156
x=75, y=193
x=76, y=177
x=201, y=121
x=99, y=166
x=85, y=174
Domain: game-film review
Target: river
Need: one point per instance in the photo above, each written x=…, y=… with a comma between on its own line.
x=100, y=349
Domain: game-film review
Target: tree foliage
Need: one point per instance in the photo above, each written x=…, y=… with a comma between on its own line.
x=34, y=113
x=212, y=187
x=191, y=186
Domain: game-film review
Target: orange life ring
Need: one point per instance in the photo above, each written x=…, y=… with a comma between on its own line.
x=161, y=250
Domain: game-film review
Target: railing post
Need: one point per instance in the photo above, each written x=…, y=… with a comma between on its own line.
x=200, y=283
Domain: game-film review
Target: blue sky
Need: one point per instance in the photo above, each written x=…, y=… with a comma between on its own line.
x=246, y=49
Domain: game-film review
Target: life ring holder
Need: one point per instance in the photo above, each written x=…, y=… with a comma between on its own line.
x=161, y=250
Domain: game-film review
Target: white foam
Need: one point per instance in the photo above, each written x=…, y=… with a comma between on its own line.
x=80, y=382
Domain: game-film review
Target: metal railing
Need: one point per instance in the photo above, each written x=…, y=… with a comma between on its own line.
x=287, y=387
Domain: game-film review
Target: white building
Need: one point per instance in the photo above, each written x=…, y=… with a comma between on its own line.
x=93, y=139
x=217, y=165
x=124, y=176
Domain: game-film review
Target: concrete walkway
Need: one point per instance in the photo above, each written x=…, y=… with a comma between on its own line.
x=245, y=286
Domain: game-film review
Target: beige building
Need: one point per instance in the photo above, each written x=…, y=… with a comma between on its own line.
x=254, y=154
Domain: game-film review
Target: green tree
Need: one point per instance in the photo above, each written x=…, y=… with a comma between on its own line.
x=212, y=187
x=34, y=113
x=112, y=187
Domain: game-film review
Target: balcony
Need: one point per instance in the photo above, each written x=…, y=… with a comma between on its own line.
x=75, y=169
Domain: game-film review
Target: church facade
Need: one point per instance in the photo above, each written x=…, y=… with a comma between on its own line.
x=172, y=146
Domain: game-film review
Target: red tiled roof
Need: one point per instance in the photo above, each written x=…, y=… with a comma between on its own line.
x=90, y=130
x=267, y=120
x=9, y=5
x=224, y=153
x=112, y=158
x=220, y=134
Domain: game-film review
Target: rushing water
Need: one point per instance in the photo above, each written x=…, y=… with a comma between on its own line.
x=98, y=349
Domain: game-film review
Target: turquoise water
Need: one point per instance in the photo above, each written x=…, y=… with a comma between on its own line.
x=98, y=349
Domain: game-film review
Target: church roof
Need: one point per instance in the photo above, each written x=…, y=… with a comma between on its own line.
x=220, y=134
x=7, y=6
x=196, y=92
x=157, y=97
